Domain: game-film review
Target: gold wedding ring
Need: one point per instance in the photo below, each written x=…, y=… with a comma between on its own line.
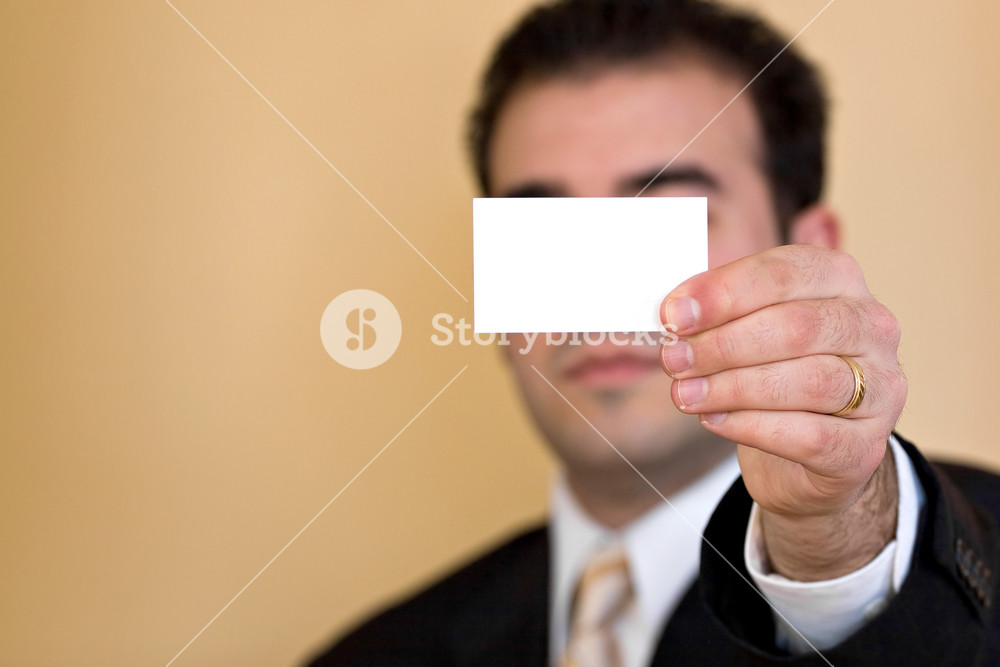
x=859, y=389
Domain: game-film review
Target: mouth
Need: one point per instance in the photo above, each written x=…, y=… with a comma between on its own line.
x=612, y=371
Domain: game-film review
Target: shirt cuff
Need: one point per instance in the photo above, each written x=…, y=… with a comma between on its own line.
x=812, y=616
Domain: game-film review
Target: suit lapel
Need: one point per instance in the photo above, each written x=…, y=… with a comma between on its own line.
x=509, y=623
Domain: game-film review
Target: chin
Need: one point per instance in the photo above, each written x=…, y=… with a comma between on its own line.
x=589, y=448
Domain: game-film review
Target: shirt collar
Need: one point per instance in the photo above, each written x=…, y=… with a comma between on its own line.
x=663, y=545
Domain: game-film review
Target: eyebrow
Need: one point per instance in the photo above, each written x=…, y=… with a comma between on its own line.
x=683, y=175
x=628, y=186
x=534, y=189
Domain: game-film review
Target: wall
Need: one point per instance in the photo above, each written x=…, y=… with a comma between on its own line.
x=170, y=420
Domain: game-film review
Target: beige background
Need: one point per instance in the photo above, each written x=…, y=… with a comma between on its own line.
x=169, y=418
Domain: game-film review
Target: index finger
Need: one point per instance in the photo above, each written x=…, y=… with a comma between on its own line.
x=777, y=275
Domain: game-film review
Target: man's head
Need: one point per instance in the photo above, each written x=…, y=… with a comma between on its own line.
x=592, y=98
x=579, y=37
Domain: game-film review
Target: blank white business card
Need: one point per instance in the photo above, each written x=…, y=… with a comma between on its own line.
x=575, y=264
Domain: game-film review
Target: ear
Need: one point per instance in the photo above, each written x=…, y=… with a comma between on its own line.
x=817, y=225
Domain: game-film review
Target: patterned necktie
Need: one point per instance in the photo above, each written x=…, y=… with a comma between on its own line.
x=601, y=597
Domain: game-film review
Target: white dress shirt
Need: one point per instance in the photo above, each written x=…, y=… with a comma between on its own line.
x=664, y=547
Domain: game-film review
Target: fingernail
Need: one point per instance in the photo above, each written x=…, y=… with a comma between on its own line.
x=691, y=391
x=713, y=418
x=676, y=358
x=682, y=313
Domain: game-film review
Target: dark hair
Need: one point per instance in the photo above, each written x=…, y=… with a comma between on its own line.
x=565, y=37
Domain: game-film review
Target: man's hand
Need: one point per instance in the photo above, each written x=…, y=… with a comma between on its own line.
x=757, y=359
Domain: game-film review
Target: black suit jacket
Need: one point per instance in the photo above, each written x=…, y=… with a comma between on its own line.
x=495, y=610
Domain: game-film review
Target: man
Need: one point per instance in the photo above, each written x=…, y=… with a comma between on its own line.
x=865, y=555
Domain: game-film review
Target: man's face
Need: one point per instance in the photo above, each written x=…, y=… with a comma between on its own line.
x=607, y=135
